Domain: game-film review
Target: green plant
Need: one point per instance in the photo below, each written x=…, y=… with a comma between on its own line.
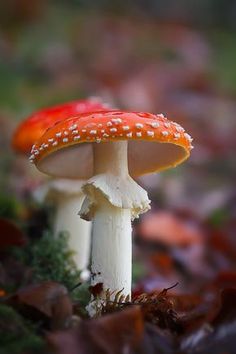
x=17, y=335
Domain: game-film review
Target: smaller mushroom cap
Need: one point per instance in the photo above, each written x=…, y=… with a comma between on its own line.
x=154, y=143
x=35, y=125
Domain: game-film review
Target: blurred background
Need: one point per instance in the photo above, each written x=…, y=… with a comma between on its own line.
x=176, y=58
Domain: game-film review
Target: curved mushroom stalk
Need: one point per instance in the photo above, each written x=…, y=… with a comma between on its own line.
x=113, y=199
x=67, y=220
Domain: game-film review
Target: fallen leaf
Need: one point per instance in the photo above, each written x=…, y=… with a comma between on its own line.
x=167, y=228
x=48, y=301
x=116, y=333
x=227, y=309
x=158, y=309
x=10, y=235
x=96, y=289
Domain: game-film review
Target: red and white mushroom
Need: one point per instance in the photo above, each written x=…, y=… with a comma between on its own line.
x=107, y=148
x=65, y=193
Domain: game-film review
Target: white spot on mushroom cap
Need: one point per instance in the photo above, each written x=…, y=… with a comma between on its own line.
x=176, y=136
x=74, y=126
x=188, y=137
x=109, y=124
x=75, y=132
x=154, y=124
x=76, y=137
x=58, y=135
x=125, y=127
x=179, y=128
x=139, y=125
x=164, y=133
x=65, y=140
x=116, y=120
x=129, y=135
x=150, y=133
x=93, y=132
x=113, y=130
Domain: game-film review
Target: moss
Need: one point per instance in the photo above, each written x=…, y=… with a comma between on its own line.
x=50, y=259
x=17, y=335
x=82, y=296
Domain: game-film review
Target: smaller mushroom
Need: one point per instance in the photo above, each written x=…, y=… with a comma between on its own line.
x=68, y=197
x=66, y=193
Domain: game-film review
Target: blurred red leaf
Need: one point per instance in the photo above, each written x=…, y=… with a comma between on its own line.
x=96, y=289
x=11, y=235
x=165, y=227
x=225, y=279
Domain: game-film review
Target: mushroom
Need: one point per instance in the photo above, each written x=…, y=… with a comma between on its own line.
x=65, y=193
x=108, y=148
x=36, y=124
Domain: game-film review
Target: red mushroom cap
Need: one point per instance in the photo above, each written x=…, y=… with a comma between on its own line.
x=35, y=125
x=65, y=149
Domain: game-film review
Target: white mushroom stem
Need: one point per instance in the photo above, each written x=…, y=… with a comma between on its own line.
x=112, y=247
x=79, y=231
x=113, y=198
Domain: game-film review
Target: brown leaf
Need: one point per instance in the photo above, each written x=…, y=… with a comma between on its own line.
x=10, y=234
x=226, y=279
x=48, y=300
x=227, y=311
x=96, y=289
x=116, y=333
x=156, y=340
x=158, y=309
